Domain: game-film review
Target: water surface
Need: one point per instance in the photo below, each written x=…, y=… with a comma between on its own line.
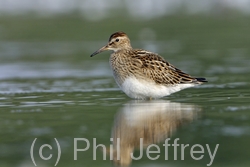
x=55, y=90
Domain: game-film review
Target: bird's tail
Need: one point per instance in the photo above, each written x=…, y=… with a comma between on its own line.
x=201, y=80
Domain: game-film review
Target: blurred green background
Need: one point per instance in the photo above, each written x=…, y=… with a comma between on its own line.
x=51, y=88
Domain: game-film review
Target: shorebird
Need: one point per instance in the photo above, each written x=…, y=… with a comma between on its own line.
x=143, y=74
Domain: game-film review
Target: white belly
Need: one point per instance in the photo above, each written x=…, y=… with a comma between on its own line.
x=142, y=89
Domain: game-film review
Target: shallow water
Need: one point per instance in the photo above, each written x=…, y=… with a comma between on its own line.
x=63, y=101
x=47, y=93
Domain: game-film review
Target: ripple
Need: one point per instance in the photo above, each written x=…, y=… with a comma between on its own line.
x=40, y=131
x=225, y=85
x=50, y=70
x=56, y=86
x=235, y=131
x=237, y=108
x=26, y=110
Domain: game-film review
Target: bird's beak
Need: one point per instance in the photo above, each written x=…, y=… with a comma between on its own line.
x=100, y=50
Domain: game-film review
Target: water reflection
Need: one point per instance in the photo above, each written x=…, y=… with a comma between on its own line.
x=154, y=121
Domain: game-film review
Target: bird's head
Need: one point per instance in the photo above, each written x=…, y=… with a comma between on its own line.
x=117, y=41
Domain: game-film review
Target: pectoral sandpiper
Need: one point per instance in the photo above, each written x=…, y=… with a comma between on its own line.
x=142, y=74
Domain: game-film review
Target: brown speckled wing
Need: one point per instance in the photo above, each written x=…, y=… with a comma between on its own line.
x=159, y=70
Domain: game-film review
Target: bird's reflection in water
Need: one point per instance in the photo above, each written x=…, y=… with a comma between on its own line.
x=154, y=121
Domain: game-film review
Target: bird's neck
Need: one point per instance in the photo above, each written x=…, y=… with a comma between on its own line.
x=124, y=49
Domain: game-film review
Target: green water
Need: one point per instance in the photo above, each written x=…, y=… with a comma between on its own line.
x=51, y=88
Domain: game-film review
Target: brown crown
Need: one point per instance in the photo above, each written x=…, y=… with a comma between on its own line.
x=117, y=34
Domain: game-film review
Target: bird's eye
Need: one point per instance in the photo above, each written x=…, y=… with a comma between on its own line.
x=117, y=40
